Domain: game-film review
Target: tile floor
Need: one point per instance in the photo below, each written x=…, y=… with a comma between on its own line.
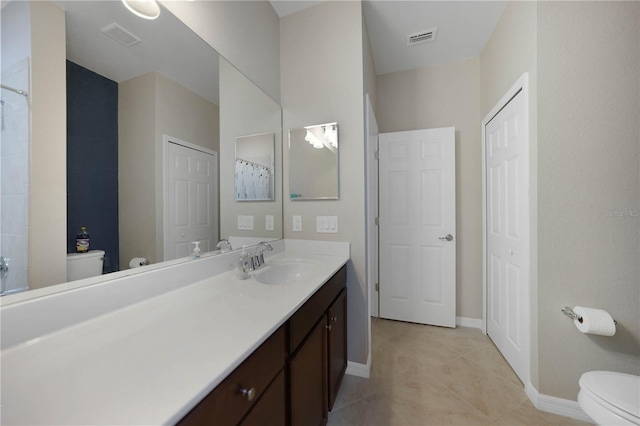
x=423, y=375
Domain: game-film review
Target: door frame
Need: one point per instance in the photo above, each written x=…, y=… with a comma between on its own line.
x=166, y=140
x=520, y=86
x=439, y=317
x=372, y=209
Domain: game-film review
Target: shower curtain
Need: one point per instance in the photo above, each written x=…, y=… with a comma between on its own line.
x=253, y=181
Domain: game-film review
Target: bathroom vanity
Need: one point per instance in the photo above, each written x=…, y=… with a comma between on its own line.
x=184, y=344
x=293, y=377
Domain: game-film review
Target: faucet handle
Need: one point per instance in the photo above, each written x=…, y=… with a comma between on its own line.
x=224, y=242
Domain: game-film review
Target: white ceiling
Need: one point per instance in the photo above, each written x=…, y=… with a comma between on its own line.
x=167, y=46
x=463, y=27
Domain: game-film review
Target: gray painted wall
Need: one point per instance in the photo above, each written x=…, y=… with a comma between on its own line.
x=441, y=96
x=315, y=91
x=245, y=33
x=588, y=187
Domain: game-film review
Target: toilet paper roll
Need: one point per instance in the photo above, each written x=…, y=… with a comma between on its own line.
x=137, y=262
x=594, y=321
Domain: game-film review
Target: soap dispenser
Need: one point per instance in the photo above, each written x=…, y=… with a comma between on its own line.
x=244, y=265
x=196, y=250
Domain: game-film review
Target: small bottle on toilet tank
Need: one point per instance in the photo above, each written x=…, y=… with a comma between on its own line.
x=82, y=240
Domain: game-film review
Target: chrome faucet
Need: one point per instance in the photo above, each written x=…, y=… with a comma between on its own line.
x=258, y=257
x=224, y=245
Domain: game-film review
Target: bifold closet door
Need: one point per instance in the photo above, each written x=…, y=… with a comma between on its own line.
x=191, y=201
x=507, y=230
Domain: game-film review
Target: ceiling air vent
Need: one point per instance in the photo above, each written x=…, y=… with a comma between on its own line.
x=427, y=36
x=120, y=35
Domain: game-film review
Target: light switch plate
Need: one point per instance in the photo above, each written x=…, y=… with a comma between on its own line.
x=297, y=223
x=327, y=224
x=268, y=223
x=245, y=223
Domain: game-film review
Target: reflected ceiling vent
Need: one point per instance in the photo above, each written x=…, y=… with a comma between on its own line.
x=427, y=36
x=120, y=35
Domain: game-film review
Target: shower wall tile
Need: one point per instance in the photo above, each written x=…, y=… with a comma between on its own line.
x=14, y=215
x=15, y=251
x=16, y=76
x=15, y=175
x=15, y=134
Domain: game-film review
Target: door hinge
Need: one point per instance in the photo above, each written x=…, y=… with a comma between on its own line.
x=377, y=221
x=377, y=286
x=377, y=155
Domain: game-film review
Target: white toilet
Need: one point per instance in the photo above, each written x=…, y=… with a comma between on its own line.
x=84, y=265
x=610, y=398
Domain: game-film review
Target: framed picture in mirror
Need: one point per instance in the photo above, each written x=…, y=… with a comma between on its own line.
x=254, y=167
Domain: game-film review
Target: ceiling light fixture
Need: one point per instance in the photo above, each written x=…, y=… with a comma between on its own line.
x=146, y=9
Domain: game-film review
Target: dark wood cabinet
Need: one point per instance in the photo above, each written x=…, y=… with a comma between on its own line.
x=308, y=379
x=318, y=360
x=271, y=409
x=232, y=399
x=293, y=378
x=336, y=345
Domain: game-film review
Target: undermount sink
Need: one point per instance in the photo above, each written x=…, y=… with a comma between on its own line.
x=288, y=271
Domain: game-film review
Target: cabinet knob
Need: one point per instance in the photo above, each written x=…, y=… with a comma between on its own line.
x=249, y=393
x=334, y=319
x=328, y=327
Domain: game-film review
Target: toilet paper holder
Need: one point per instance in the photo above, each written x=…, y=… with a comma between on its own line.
x=569, y=312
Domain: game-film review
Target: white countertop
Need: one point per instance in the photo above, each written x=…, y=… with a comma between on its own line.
x=153, y=361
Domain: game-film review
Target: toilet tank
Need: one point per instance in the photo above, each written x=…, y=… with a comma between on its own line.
x=84, y=265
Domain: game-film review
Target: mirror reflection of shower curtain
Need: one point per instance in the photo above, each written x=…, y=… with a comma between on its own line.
x=14, y=176
x=253, y=181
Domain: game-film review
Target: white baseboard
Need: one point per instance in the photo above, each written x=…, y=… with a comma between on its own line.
x=469, y=322
x=360, y=370
x=551, y=404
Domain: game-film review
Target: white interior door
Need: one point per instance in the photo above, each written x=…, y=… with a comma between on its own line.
x=417, y=226
x=507, y=231
x=371, y=148
x=191, y=200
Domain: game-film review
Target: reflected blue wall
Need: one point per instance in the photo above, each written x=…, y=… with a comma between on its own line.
x=92, y=161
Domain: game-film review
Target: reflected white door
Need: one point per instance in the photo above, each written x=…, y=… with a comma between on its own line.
x=506, y=228
x=190, y=201
x=418, y=226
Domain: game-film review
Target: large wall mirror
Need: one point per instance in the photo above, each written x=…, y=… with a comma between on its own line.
x=313, y=162
x=134, y=89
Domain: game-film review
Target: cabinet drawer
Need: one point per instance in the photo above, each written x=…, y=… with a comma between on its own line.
x=305, y=318
x=226, y=405
x=271, y=410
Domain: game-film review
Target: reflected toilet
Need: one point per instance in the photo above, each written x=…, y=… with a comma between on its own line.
x=84, y=265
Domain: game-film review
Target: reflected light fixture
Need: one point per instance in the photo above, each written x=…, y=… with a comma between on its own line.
x=331, y=135
x=313, y=140
x=146, y=9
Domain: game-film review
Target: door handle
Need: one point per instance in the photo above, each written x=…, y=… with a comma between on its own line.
x=447, y=237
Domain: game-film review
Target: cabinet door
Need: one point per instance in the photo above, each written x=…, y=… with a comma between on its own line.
x=308, y=378
x=337, y=344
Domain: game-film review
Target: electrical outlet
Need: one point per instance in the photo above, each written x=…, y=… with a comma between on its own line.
x=297, y=223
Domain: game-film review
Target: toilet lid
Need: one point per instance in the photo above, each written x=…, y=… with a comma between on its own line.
x=619, y=390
